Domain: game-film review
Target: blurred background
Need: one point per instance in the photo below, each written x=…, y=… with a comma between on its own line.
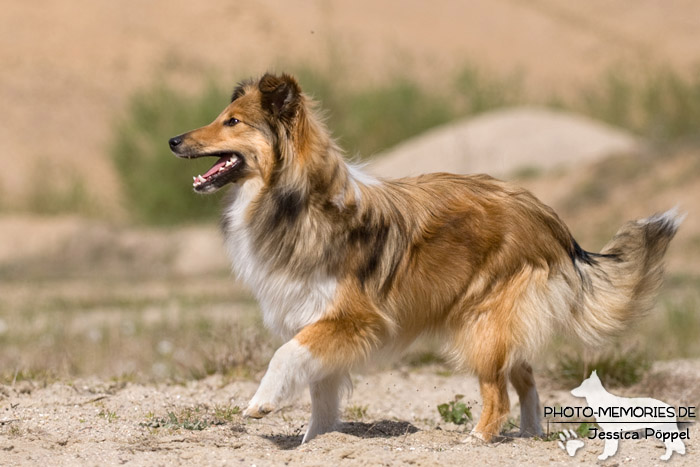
x=111, y=266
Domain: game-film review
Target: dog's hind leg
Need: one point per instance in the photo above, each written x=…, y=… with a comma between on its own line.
x=489, y=363
x=325, y=401
x=522, y=379
x=494, y=392
x=483, y=346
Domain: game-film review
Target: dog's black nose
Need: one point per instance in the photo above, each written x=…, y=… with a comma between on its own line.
x=175, y=142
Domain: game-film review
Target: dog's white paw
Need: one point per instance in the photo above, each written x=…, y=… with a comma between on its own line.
x=570, y=442
x=257, y=410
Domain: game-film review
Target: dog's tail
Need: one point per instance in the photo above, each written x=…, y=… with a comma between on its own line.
x=619, y=284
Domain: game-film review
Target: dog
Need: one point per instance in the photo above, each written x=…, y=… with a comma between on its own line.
x=662, y=427
x=348, y=268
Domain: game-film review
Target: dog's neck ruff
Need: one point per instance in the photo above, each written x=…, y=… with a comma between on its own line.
x=288, y=303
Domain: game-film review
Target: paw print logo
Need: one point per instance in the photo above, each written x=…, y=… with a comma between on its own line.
x=569, y=442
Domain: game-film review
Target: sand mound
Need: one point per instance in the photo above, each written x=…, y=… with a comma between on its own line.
x=504, y=141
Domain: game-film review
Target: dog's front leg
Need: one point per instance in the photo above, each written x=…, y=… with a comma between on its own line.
x=320, y=356
x=325, y=402
x=291, y=368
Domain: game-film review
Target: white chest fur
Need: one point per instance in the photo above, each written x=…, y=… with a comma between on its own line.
x=287, y=304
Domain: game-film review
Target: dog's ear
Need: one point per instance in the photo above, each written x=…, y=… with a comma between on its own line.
x=281, y=96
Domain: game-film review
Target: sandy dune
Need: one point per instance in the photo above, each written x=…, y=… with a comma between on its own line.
x=505, y=141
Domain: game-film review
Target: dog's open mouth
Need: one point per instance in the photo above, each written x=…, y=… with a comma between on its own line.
x=225, y=170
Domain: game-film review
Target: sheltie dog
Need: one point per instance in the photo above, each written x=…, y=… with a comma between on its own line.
x=348, y=268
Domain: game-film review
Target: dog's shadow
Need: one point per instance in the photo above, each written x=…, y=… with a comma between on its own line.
x=379, y=429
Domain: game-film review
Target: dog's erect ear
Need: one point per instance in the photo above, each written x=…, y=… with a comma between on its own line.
x=281, y=96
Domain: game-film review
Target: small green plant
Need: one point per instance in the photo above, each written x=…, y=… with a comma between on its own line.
x=195, y=418
x=226, y=413
x=175, y=422
x=455, y=411
x=356, y=412
x=553, y=436
x=583, y=429
x=109, y=415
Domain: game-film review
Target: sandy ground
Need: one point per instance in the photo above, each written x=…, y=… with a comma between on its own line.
x=69, y=68
x=101, y=423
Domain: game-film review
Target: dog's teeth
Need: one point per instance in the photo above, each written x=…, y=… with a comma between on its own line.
x=201, y=179
x=229, y=163
x=221, y=169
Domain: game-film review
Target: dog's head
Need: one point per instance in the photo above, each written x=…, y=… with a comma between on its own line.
x=246, y=137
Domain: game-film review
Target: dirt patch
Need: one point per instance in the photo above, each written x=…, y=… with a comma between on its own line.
x=116, y=423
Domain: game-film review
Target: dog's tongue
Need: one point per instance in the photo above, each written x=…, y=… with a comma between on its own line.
x=220, y=163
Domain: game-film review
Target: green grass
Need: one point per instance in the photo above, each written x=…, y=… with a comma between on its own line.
x=673, y=333
x=584, y=428
x=356, y=412
x=109, y=415
x=157, y=185
x=187, y=419
x=659, y=103
x=581, y=431
x=197, y=418
x=614, y=369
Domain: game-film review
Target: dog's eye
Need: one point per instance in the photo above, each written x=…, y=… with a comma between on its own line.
x=231, y=122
